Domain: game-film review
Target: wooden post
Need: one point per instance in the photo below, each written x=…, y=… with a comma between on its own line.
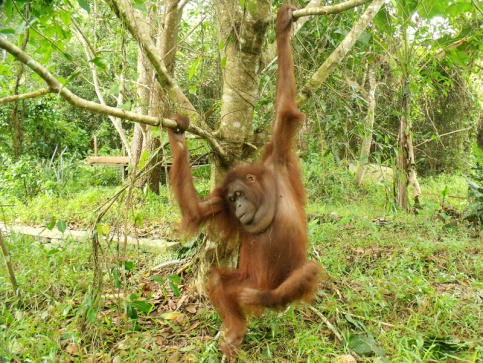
x=95, y=145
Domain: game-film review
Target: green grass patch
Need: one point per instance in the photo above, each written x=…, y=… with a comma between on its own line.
x=402, y=288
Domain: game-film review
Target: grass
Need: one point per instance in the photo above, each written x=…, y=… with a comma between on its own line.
x=402, y=288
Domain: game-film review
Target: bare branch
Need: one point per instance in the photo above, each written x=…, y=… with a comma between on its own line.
x=57, y=87
x=25, y=96
x=331, y=9
x=312, y=8
x=445, y=134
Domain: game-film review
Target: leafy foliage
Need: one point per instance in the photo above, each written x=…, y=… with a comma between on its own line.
x=474, y=211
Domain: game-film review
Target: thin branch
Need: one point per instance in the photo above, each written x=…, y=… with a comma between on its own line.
x=339, y=53
x=123, y=11
x=90, y=52
x=477, y=7
x=25, y=96
x=332, y=9
x=439, y=136
x=302, y=16
x=332, y=328
x=168, y=264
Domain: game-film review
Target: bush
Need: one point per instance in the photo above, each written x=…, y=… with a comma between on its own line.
x=474, y=212
x=21, y=178
x=325, y=179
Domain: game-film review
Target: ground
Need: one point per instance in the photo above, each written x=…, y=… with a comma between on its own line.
x=400, y=288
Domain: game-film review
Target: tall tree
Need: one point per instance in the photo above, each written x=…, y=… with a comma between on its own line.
x=242, y=29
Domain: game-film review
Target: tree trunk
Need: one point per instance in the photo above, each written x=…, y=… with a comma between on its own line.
x=167, y=42
x=406, y=165
x=15, y=119
x=144, y=83
x=403, y=155
x=368, y=128
x=242, y=31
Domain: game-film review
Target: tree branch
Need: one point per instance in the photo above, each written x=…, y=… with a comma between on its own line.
x=56, y=87
x=123, y=11
x=25, y=96
x=331, y=9
x=339, y=53
x=302, y=16
x=440, y=136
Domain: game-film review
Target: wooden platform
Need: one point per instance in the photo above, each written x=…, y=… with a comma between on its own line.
x=108, y=160
x=123, y=161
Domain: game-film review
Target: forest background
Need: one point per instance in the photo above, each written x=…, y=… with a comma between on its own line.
x=391, y=152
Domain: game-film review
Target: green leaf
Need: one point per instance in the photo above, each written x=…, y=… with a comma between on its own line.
x=126, y=106
x=51, y=224
x=451, y=225
x=194, y=67
x=115, y=89
x=99, y=62
x=143, y=306
x=84, y=5
x=61, y=226
x=52, y=252
x=345, y=220
x=445, y=191
x=139, y=5
x=365, y=345
x=92, y=315
x=106, y=229
x=143, y=159
x=175, y=278
x=7, y=31
x=131, y=312
x=158, y=279
x=382, y=20
x=65, y=17
x=117, y=280
x=192, y=89
x=138, y=221
x=223, y=63
x=364, y=38
x=174, y=288
x=71, y=77
x=129, y=265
